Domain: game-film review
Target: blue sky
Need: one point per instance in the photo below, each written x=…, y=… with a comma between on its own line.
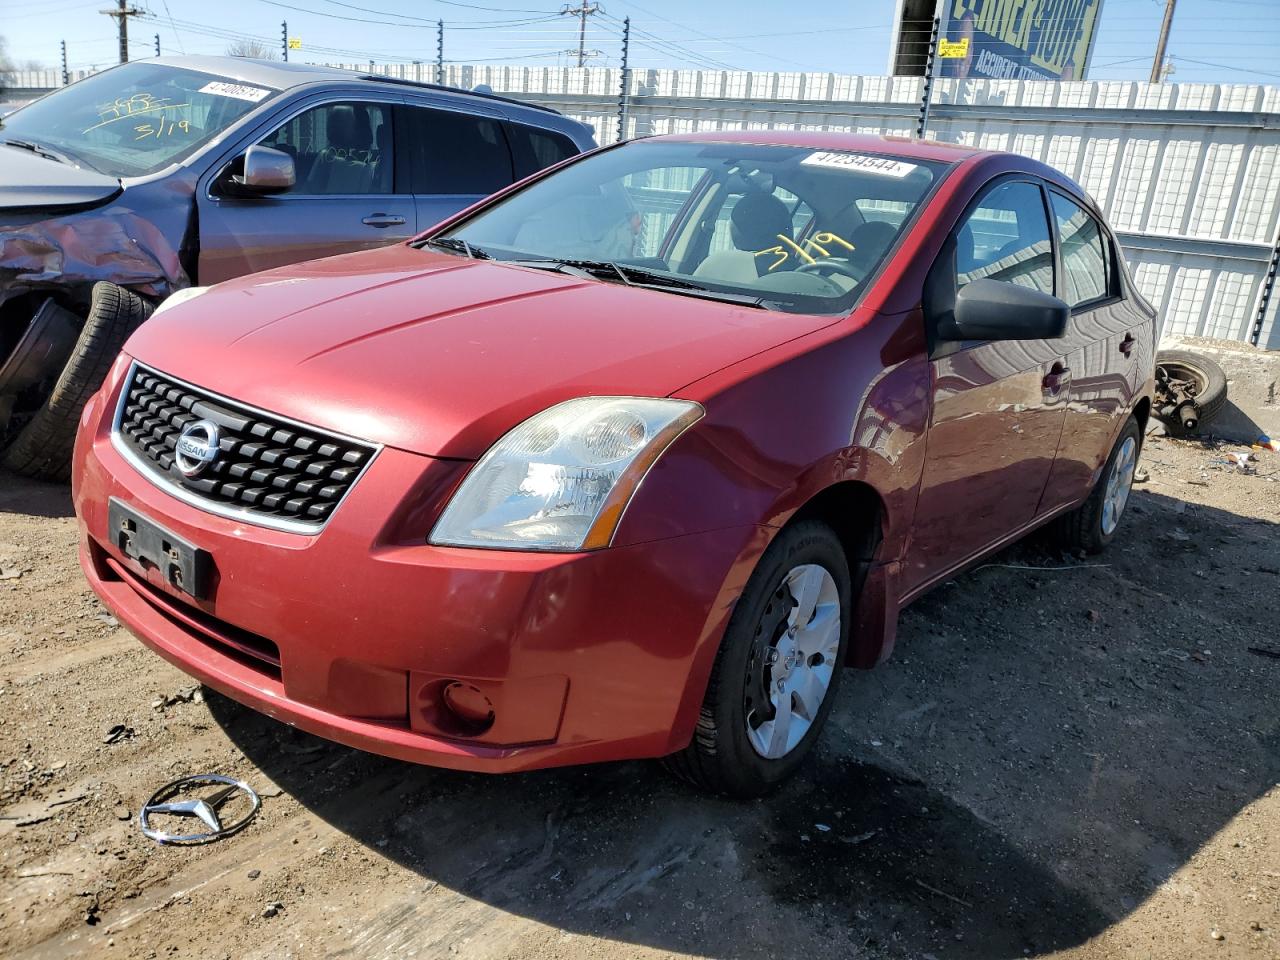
x=1212, y=40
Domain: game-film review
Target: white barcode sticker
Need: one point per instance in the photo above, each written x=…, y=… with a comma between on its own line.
x=862, y=162
x=237, y=90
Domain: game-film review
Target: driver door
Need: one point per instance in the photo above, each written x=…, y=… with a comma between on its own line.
x=345, y=197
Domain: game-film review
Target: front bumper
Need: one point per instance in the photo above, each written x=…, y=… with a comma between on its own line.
x=352, y=633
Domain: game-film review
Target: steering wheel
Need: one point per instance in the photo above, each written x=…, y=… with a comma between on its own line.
x=833, y=266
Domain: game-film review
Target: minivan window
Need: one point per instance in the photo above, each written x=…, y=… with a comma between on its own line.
x=1085, y=270
x=135, y=119
x=448, y=153
x=338, y=149
x=654, y=206
x=538, y=149
x=1006, y=237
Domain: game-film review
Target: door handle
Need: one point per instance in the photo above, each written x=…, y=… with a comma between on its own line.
x=383, y=220
x=1056, y=378
x=1126, y=345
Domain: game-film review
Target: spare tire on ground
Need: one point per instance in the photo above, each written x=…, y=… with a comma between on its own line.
x=1191, y=390
x=42, y=449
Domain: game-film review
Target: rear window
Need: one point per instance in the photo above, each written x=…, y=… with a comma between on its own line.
x=443, y=152
x=538, y=149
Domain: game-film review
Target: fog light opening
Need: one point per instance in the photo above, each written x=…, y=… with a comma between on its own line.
x=468, y=708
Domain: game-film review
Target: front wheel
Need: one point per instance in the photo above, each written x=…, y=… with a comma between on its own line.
x=775, y=677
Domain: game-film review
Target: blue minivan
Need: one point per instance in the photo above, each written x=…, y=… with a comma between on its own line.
x=165, y=173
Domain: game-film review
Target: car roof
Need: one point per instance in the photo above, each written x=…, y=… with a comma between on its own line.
x=284, y=76
x=823, y=140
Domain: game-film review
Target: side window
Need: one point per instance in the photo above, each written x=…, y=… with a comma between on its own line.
x=657, y=197
x=538, y=149
x=444, y=152
x=1086, y=270
x=1006, y=237
x=339, y=148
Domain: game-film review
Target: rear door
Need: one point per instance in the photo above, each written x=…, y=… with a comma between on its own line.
x=344, y=199
x=998, y=407
x=450, y=159
x=1106, y=339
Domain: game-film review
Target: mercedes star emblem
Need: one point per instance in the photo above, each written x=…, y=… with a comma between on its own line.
x=180, y=799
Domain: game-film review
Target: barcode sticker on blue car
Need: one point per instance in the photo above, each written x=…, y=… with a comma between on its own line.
x=237, y=90
x=862, y=162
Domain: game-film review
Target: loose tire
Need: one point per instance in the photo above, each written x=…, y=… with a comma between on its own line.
x=42, y=449
x=1210, y=383
x=779, y=651
x=1092, y=525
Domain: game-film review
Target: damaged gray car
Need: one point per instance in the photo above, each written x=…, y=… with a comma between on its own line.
x=150, y=178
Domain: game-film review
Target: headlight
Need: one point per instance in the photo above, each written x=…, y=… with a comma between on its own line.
x=561, y=480
x=177, y=297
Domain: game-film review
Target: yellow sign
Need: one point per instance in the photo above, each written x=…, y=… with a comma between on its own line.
x=953, y=49
x=295, y=43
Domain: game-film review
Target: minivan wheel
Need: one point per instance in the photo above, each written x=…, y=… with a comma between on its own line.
x=42, y=449
x=775, y=677
x=1092, y=525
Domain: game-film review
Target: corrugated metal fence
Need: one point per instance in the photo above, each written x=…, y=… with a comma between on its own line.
x=1189, y=174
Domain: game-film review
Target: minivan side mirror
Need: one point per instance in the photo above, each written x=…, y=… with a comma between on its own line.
x=266, y=171
x=989, y=309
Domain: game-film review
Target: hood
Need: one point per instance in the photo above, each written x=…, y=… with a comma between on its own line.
x=440, y=355
x=29, y=181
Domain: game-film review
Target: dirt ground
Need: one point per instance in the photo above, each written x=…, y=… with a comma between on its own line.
x=1065, y=757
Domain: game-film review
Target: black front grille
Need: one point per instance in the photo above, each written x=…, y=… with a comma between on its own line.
x=265, y=466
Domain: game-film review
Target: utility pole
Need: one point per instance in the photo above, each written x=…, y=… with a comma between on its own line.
x=626, y=79
x=581, y=12
x=284, y=40
x=66, y=74
x=157, y=44
x=1157, y=66
x=440, y=52
x=122, y=13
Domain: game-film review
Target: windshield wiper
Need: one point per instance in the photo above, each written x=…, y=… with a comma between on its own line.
x=652, y=280
x=455, y=245
x=40, y=150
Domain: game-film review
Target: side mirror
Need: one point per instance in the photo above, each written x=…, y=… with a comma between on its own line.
x=266, y=171
x=989, y=309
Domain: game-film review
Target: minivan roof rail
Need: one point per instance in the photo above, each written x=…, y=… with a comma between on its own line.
x=447, y=89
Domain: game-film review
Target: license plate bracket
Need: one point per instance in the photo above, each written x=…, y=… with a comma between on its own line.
x=182, y=564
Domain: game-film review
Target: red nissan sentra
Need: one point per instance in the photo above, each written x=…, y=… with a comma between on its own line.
x=626, y=461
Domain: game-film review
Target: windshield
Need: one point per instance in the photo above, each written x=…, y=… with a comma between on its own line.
x=791, y=228
x=134, y=119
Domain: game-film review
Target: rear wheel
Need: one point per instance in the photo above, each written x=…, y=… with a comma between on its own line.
x=1092, y=525
x=775, y=676
x=42, y=449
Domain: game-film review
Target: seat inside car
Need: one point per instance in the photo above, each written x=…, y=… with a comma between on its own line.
x=345, y=166
x=757, y=222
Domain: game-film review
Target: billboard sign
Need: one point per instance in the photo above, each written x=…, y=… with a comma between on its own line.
x=1017, y=39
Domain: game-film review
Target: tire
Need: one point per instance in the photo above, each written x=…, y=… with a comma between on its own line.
x=1211, y=393
x=1087, y=527
x=42, y=449
x=722, y=757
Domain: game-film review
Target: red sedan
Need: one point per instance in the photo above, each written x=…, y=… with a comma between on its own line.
x=626, y=461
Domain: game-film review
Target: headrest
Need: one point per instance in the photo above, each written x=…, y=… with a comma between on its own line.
x=756, y=221
x=347, y=127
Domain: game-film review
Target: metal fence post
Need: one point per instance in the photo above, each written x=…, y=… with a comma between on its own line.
x=440, y=51
x=927, y=96
x=1264, y=295
x=626, y=79
x=66, y=74
x=284, y=40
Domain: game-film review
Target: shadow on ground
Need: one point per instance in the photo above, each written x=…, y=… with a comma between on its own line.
x=1045, y=748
